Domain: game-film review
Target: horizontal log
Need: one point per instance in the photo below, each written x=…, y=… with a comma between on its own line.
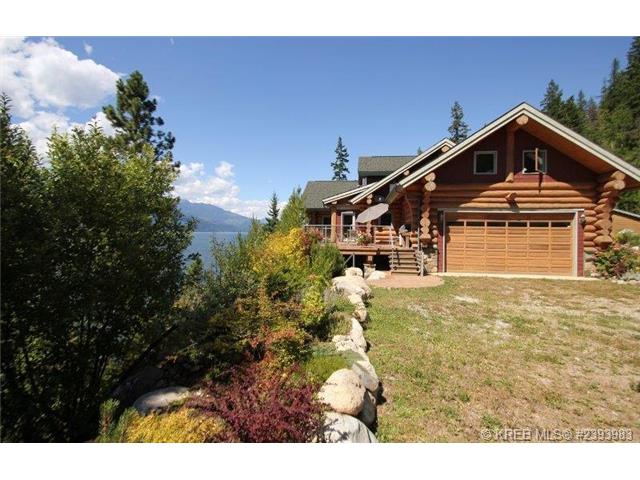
x=603, y=224
x=590, y=250
x=589, y=235
x=551, y=185
x=517, y=199
x=430, y=177
x=527, y=192
x=615, y=175
x=430, y=186
x=589, y=228
x=604, y=208
x=590, y=212
x=508, y=205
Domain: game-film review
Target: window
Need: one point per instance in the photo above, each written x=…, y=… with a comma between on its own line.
x=529, y=161
x=485, y=163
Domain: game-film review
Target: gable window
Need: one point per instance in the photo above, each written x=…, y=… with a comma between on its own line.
x=485, y=163
x=531, y=164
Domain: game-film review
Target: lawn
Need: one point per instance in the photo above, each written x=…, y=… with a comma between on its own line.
x=478, y=353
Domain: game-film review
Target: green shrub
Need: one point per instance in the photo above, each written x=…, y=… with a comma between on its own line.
x=628, y=237
x=112, y=431
x=326, y=261
x=319, y=368
x=618, y=261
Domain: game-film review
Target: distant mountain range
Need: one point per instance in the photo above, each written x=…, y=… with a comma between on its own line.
x=214, y=219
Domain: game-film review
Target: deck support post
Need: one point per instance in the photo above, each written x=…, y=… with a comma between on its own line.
x=334, y=224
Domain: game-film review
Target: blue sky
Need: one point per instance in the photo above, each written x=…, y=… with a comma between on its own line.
x=256, y=115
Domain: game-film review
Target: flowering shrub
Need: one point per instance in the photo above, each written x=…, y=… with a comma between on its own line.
x=311, y=237
x=618, y=261
x=284, y=345
x=260, y=405
x=363, y=238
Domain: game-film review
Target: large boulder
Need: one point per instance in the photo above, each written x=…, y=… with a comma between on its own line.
x=376, y=275
x=344, y=343
x=361, y=314
x=357, y=334
x=343, y=392
x=351, y=285
x=369, y=411
x=367, y=374
x=339, y=428
x=353, y=272
x=356, y=300
x=159, y=399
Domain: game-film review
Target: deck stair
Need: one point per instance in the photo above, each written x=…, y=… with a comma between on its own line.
x=403, y=261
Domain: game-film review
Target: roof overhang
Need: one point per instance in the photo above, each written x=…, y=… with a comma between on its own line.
x=445, y=142
x=544, y=127
x=347, y=194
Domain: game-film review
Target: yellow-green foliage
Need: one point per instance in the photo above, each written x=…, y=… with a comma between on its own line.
x=286, y=344
x=313, y=313
x=181, y=426
x=319, y=367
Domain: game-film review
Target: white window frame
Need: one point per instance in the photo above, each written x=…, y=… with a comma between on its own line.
x=494, y=171
x=546, y=160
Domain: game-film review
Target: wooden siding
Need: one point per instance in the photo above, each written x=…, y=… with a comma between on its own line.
x=620, y=221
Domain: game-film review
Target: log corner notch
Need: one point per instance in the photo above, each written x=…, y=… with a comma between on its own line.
x=518, y=123
x=425, y=215
x=609, y=187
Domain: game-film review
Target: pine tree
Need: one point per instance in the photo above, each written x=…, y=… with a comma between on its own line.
x=458, y=130
x=133, y=117
x=293, y=214
x=552, y=103
x=339, y=166
x=573, y=116
x=272, y=214
x=419, y=151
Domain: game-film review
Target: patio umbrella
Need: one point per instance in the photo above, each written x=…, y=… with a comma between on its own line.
x=372, y=213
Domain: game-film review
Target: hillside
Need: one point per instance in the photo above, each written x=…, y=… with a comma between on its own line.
x=214, y=219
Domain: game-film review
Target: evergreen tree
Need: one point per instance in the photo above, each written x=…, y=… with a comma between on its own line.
x=339, y=166
x=272, y=214
x=133, y=117
x=458, y=130
x=573, y=116
x=552, y=103
x=419, y=151
x=293, y=214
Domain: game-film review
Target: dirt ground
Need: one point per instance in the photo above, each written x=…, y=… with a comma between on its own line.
x=478, y=355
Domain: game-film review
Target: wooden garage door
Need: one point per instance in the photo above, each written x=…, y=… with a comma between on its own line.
x=510, y=243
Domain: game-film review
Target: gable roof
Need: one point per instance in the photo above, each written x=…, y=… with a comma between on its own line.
x=316, y=190
x=347, y=194
x=543, y=119
x=398, y=171
x=381, y=164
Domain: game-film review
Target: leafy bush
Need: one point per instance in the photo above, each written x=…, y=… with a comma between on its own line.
x=628, y=237
x=184, y=425
x=260, y=405
x=285, y=345
x=617, y=261
x=321, y=365
x=326, y=261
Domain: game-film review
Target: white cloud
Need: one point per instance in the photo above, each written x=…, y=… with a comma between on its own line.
x=224, y=170
x=40, y=75
x=88, y=49
x=43, y=80
x=219, y=189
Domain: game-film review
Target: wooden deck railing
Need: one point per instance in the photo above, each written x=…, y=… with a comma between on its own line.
x=379, y=234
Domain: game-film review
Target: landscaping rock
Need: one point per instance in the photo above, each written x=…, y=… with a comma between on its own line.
x=369, y=411
x=377, y=275
x=356, y=300
x=343, y=392
x=352, y=285
x=357, y=334
x=159, y=399
x=353, y=272
x=361, y=314
x=339, y=428
x=367, y=374
x=344, y=343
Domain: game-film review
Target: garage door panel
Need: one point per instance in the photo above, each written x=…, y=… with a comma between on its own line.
x=497, y=244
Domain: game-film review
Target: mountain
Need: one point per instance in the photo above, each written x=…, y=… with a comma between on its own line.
x=214, y=219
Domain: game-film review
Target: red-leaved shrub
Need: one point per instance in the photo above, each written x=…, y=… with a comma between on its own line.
x=261, y=405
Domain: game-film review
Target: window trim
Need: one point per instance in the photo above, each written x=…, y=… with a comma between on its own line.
x=546, y=161
x=494, y=171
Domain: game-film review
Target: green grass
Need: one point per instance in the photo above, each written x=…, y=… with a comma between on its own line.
x=527, y=354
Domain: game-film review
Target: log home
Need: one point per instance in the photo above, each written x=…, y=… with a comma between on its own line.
x=522, y=195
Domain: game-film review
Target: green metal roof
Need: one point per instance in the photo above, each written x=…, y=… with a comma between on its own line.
x=381, y=165
x=316, y=190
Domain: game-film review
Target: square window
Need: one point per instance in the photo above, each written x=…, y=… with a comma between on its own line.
x=529, y=164
x=485, y=163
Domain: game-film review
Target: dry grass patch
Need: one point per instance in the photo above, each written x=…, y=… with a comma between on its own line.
x=491, y=353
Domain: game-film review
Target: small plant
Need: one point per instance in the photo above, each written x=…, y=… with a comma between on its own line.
x=617, y=261
x=320, y=366
x=363, y=238
x=261, y=405
x=184, y=425
x=628, y=237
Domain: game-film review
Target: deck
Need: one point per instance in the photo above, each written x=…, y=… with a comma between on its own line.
x=370, y=249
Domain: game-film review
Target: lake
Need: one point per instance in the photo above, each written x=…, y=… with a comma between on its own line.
x=202, y=243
